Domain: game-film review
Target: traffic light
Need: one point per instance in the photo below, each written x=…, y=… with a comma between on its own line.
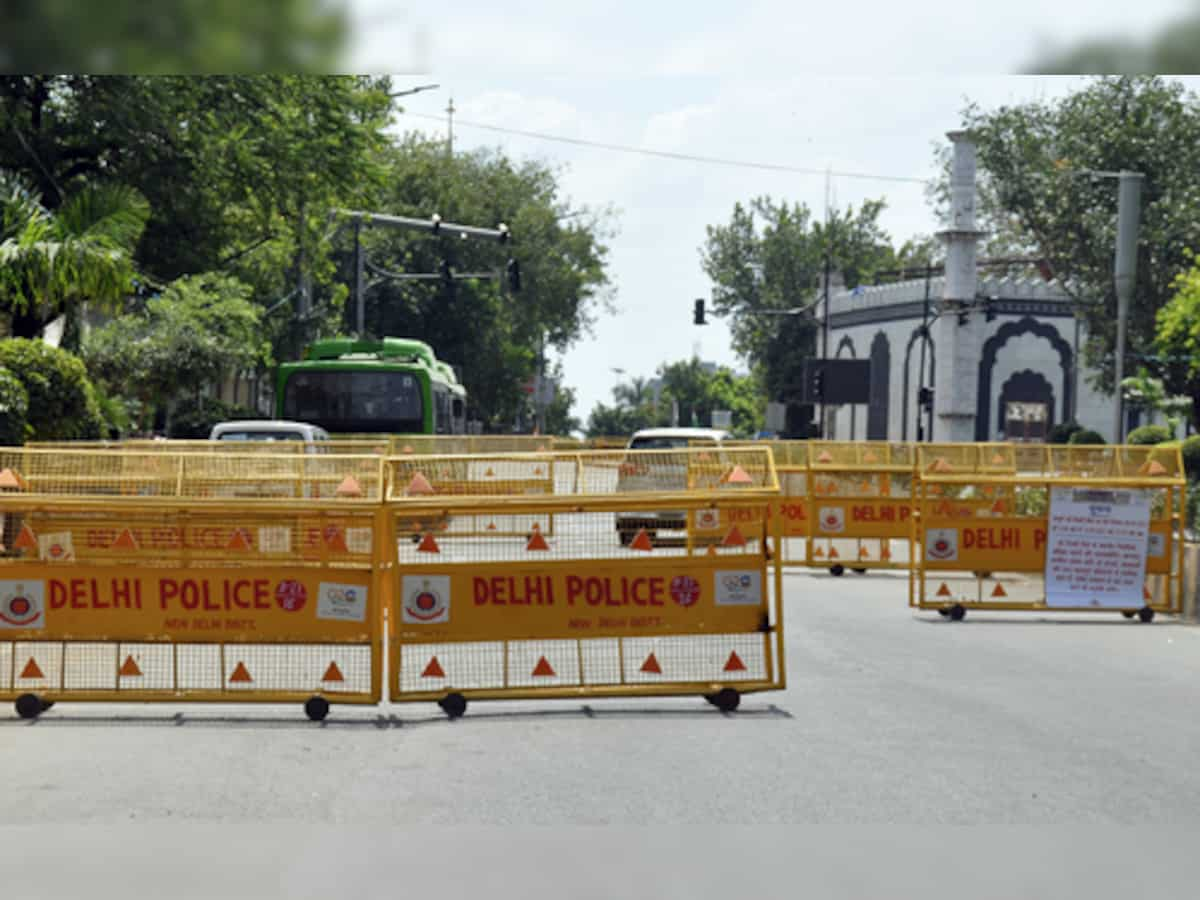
x=512, y=272
x=819, y=384
x=989, y=311
x=698, y=314
x=925, y=397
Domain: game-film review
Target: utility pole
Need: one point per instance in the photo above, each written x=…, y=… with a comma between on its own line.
x=924, y=414
x=825, y=305
x=360, y=311
x=1129, y=193
x=450, y=110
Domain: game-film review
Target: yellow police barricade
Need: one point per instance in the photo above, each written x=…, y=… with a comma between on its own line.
x=859, y=504
x=1040, y=527
x=339, y=447
x=144, y=577
x=585, y=613
x=791, y=506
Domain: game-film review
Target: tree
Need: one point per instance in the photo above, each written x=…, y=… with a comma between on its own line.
x=771, y=257
x=62, y=400
x=52, y=261
x=1174, y=49
x=179, y=37
x=493, y=334
x=1177, y=340
x=1038, y=155
x=184, y=340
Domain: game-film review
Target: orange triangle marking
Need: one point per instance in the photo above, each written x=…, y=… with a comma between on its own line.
x=26, y=540
x=239, y=541
x=863, y=553
x=543, y=668
x=818, y=553
x=1146, y=593
x=833, y=554
x=641, y=541
x=734, y=663
x=651, y=665
x=541, y=448
x=738, y=475
x=335, y=538
x=333, y=673
x=999, y=591
x=944, y=591
x=349, y=488
x=130, y=668
x=240, y=674
x=941, y=464
x=491, y=526
x=824, y=457
x=989, y=491
x=428, y=545
x=419, y=486
x=1154, y=467
x=406, y=449
x=735, y=538
x=489, y=474
x=12, y=480
x=433, y=669
x=942, y=509
x=31, y=670
x=869, y=457
x=538, y=471
x=711, y=551
x=998, y=460
x=125, y=541
x=537, y=542
x=999, y=506
x=886, y=552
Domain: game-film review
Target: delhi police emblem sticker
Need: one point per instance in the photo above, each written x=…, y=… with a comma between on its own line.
x=22, y=604
x=941, y=544
x=426, y=599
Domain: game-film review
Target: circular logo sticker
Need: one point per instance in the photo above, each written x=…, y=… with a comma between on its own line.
x=685, y=590
x=291, y=595
x=426, y=604
x=20, y=608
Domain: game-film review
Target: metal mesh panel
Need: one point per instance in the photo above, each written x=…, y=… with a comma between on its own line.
x=704, y=658
x=465, y=666
x=89, y=666
x=601, y=660
x=326, y=668
x=199, y=667
x=6, y=663
x=145, y=667
x=277, y=448
x=37, y=665
x=543, y=663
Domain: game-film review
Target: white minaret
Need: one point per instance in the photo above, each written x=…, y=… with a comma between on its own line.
x=958, y=338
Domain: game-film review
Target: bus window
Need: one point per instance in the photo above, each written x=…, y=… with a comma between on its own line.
x=458, y=410
x=356, y=400
x=443, y=423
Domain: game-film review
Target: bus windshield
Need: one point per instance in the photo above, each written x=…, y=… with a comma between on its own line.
x=356, y=400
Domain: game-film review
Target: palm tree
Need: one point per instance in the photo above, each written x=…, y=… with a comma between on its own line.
x=50, y=262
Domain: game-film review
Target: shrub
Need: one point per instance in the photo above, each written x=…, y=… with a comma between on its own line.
x=14, y=409
x=1061, y=433
x=1190, y=450
x=1086, y=436
x=194, y=417
x=1148, y=435
x=62, y=401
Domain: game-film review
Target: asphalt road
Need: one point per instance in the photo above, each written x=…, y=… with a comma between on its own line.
x=890, y=717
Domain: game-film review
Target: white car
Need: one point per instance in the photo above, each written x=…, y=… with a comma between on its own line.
x=267, y=430
x=666, y=474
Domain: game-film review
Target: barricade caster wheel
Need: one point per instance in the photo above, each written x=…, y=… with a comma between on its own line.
x=861, y=571
x=956, y=613
x=943, y=612
x=416, y=539
x=726, y=699
x=316, y=708
x=1146, y=614
x=47, y=704
x=453, y=705
x=29, y=706
x=1128, y=613
x=837, y=571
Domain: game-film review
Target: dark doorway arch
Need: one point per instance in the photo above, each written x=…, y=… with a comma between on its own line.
x=1026, y=386
x=919, y=333
x=877, y=409
x=1027, y=325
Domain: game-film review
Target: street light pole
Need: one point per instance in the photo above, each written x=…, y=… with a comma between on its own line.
x=1129, y=194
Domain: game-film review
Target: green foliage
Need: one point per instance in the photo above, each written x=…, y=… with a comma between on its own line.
x=1086, y=436
x=1148, y=435
x=478, y=325
x=1036, y=157
x=194, y=417
x=185, y=36
x=1192, y=507
x=771, y=257
x=62, y=402
x=184, y=340
x=559, y=420
x=52, y=261
x=1172, y=49
x=1190, y=451
x=1177, y=339
x=1061, y=433
x=14, y=407
x=1031, y=501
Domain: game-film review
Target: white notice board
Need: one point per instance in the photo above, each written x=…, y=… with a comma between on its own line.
x=1096, y=549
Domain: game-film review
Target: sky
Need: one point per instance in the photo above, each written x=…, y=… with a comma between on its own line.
x=853, y=88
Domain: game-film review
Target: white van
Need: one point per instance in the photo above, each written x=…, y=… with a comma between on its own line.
x=635, y=476
x=267, y=430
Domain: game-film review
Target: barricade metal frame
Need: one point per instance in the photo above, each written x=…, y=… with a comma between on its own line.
x=1004, y=490
x=712, y=480
x=103, y=531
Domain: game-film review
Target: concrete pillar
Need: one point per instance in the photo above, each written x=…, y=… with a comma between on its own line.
x=958, y=338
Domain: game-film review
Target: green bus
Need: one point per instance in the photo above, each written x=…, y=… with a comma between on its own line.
x=388, y=386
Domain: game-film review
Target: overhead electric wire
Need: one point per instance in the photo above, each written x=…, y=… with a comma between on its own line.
x=668, y=154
